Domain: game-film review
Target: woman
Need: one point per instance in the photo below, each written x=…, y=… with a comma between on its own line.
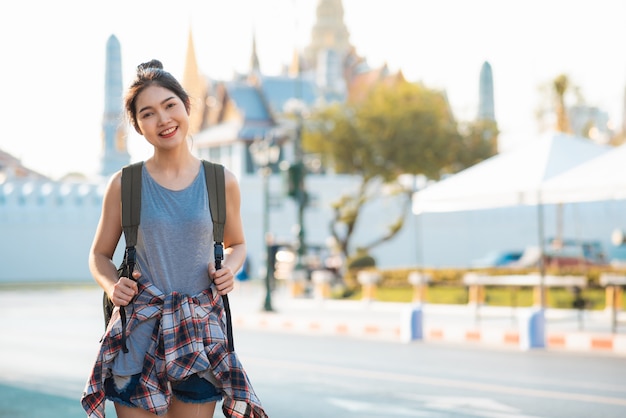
x=175, y=281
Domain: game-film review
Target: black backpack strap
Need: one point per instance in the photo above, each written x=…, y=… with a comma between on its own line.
x=131, y=214
x=216, y=189
x=131, y=202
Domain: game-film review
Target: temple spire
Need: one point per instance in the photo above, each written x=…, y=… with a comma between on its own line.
x=196, y=87
x=114, y=133
x=255, y=66
x=254, y=73
x=486, y=110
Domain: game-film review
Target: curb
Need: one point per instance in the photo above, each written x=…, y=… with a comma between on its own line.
x=279, y=323
x=575, y=341
x=568, y=341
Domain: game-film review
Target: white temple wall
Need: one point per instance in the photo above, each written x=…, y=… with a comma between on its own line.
x=46, y=228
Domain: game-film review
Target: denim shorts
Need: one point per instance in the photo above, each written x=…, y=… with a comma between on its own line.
x=194, y=389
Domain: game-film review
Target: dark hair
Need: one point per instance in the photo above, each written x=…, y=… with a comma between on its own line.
x=149, y=73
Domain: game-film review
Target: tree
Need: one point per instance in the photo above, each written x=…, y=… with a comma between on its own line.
x=403, y=128
x=555, y=96
x=479, y=141
x=561, y=85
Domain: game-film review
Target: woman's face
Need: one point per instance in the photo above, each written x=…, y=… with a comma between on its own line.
x=162, y=117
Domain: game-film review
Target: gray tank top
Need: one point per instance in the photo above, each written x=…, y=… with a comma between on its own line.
x=174, y=248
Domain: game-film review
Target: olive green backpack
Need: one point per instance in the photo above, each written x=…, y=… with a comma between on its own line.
x=131, y=210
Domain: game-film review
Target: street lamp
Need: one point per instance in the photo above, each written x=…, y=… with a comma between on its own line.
x=265, y=153
x=296, y=175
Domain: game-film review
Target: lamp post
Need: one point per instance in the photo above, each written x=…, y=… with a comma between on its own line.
x=265, y=153
x=297, y=173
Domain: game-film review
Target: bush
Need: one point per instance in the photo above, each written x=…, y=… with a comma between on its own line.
x=447, y=287
x=361, y=260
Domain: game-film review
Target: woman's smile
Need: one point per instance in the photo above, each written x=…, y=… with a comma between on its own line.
x=169, y=132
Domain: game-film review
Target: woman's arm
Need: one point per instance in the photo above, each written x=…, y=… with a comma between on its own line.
x=234, y=239
x=105, y=242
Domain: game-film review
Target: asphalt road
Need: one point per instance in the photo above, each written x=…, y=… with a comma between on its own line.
x=341, y=377
x=48, y=341
x=306, y=376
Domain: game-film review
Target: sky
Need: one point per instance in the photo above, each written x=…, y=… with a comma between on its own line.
x=54, y=57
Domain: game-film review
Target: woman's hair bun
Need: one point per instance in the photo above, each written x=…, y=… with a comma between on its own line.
x=152, y=64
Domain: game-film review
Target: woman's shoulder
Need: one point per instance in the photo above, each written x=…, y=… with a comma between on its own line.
x=114, y=184
x=229, y=175
x=231, y=180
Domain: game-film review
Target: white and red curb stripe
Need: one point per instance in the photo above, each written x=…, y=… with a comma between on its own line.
x=571, y=341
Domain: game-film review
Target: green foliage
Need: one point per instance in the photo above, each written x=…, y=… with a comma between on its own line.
x=457, y=294
x=398, y=129
x=399, y=277
x=404, y=128
x=447, y=287
x=479, y=142
x=361, y=260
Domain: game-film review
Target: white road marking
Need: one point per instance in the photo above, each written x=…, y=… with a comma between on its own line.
x=384, y=410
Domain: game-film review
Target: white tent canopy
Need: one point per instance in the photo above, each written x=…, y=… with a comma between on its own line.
x=511, y=178
x=602, y=178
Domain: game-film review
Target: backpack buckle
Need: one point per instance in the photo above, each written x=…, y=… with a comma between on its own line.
x=129, y=255
x=219, y=255
x=129, y=261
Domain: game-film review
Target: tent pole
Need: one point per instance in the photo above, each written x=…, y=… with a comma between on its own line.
x=542, y=252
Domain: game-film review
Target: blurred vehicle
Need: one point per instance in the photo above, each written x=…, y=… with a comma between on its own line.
x=564, y=253
x=497, y=259
x=617, y=251
x=285, y=262
x=617, y=256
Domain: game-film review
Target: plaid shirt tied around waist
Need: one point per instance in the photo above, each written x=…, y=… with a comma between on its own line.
x=189, y=337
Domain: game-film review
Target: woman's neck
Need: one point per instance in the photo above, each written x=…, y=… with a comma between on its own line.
x=173, y=171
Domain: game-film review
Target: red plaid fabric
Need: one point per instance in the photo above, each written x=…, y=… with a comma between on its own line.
x=189, y=338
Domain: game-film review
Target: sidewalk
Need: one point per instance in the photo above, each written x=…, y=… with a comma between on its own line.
x=565, y=329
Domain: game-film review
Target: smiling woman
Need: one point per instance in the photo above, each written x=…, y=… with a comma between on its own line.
x=166, y=348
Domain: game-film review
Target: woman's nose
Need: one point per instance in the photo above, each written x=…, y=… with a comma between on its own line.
x=163, y=117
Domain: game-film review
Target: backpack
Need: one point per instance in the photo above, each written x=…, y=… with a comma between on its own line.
x=131, y=210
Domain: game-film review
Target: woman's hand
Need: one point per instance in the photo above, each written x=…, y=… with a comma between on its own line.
x=223, y=278
x=124, y=290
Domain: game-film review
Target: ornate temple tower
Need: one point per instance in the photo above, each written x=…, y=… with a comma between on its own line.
x=485, y=95
x=114, y=133
x=327, y=54
x=328, y=33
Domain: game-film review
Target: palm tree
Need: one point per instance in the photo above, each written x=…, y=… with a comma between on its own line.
x=561, y=86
